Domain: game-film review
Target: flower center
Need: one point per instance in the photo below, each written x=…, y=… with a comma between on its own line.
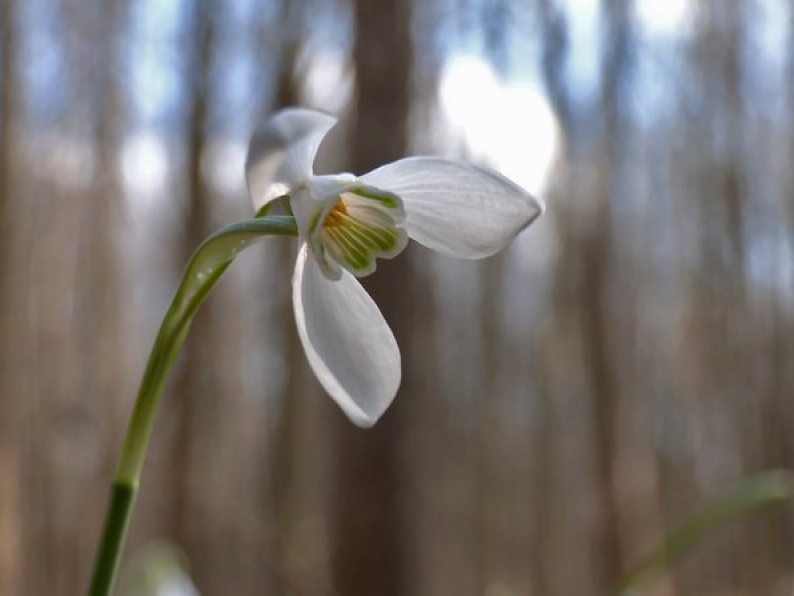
x=336, y=216
x=360, y=227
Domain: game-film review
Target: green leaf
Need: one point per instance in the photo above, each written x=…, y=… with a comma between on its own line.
x=771, y=488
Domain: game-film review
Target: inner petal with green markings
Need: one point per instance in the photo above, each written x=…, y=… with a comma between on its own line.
x=359, y=227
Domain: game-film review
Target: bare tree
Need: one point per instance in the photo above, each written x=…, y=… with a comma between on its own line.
x=369, y=554
x=283, y=490
x=100, y=323
x=598, y=325
x=195, y=392
x=10, y=541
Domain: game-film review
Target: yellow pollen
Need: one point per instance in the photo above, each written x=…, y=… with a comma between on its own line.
x=336, y=216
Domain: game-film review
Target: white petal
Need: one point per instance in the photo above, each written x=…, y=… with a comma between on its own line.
x=457, y=208
x=281, y=153
x=347, y=342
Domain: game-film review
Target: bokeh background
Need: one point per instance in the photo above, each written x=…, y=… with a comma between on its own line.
x=564, y=404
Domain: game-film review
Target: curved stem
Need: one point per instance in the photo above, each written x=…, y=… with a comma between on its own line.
x=204, y=269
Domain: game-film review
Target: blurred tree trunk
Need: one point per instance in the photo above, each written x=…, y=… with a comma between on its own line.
x=548, y=576
x=99, y=325
x=556, y=44
x=782, y=346
x=10, y=513
x=194, y=397
x=730, y=327
x=104, y=219
x=780, y=416
x=291, y=429
x=488, y=501
x=599, y=326
x=369, y=554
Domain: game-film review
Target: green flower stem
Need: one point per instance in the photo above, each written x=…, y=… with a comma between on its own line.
x=122, y=497
x=206, y=266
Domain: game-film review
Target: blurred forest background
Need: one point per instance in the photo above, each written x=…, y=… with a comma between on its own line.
x=564, y=404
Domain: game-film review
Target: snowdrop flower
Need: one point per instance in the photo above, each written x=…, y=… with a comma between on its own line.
x=346, y=223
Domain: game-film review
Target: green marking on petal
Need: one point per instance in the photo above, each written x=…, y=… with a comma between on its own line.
x=350, y=250
x=384, y=198
x=383, y=239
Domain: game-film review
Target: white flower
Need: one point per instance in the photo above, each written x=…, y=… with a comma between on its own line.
x=345, y=223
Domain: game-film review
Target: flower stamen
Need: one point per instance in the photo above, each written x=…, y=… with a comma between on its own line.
x=360, y=227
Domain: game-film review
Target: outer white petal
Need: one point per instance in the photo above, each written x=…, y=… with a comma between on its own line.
x=281, y=153
x=457, y=208
x=347, y=342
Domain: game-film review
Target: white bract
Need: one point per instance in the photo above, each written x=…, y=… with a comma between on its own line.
x=346, y=222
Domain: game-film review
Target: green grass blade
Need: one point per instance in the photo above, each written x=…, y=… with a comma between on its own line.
x=771, y=488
